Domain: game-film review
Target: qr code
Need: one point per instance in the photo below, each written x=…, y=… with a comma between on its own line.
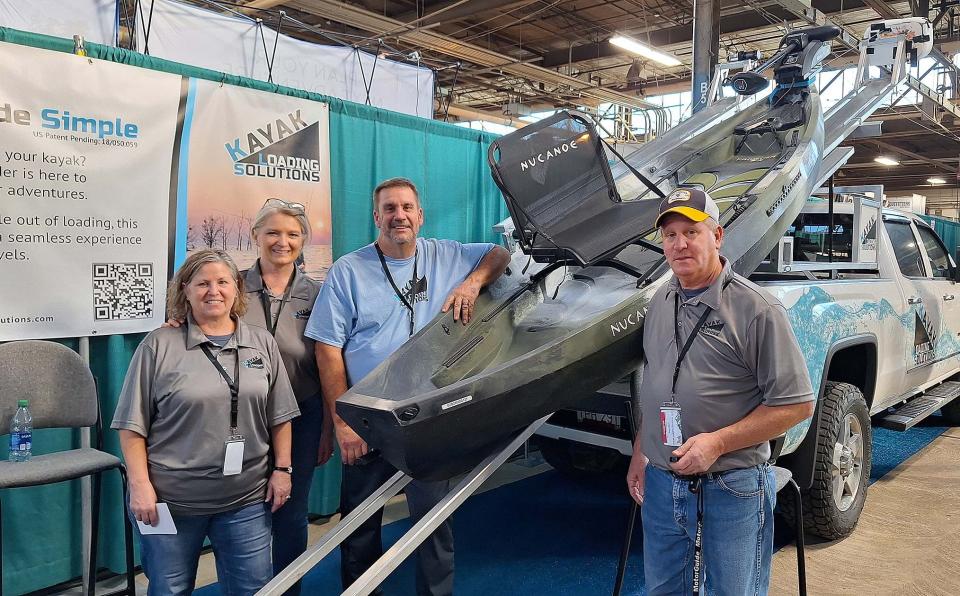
x=122, y=291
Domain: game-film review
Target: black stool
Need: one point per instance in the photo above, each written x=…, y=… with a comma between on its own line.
x=783, y=477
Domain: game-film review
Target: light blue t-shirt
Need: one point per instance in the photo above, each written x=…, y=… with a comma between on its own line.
x=357, y=309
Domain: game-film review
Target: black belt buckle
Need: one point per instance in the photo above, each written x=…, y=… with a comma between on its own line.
x=693, y=481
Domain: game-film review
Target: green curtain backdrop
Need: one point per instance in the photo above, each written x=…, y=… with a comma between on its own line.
x=41, y=526
x=948, y=230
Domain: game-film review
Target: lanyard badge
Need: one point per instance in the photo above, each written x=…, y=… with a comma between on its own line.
x=233, y=445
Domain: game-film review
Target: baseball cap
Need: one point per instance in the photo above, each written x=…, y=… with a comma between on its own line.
x=691, y=203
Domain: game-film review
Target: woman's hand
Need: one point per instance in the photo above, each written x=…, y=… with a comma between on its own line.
x=278, y=489
x=173, y=323
x=143, y=502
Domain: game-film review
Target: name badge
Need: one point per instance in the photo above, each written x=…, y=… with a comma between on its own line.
x=233, y=456
x=670, y=429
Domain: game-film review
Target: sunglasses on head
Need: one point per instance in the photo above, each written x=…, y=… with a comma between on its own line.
x=286, y=204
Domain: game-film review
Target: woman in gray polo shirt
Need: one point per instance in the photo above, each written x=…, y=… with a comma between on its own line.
x=203, y=408
x=281, y=298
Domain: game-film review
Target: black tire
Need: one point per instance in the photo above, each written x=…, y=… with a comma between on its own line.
x=826, y=514
x=578, y=459
x=951, y=412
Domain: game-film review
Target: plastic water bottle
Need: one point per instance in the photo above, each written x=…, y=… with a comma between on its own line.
x=21, y=433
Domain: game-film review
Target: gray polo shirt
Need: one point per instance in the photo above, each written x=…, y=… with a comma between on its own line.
x=745, y=355
x=296, y=349
x=174, y=396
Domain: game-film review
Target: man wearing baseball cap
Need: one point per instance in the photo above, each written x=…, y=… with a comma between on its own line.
x=723, y=375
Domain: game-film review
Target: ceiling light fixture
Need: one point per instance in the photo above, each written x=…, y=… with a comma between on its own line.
x=887, y=161
x=936, y=181
x=642, y=49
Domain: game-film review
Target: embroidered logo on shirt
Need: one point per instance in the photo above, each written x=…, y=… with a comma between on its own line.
x=713, y=328
x=303, y=313
x=255, y=362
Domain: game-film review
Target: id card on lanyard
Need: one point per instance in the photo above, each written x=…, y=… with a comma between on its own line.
x=671, y=425
x=234, y=443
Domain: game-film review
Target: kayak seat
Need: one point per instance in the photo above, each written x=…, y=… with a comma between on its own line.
x=561, y=195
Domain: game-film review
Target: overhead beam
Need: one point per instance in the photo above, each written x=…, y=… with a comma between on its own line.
x=900, y=150
x=883, y=9
x=378, y=24
x=455, y=10
x=730, y=24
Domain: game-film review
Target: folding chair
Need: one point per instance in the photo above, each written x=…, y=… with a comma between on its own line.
x=62, y=394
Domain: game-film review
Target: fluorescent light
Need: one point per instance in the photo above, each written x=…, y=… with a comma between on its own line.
x=887, y=161
x=642, y=49
x=936, y=181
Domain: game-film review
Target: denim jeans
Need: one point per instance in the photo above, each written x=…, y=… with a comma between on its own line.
x=241, y=549
x=737, y=532
x=290, y=521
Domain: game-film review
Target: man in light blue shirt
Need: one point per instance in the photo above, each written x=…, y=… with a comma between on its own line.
x=373, y=300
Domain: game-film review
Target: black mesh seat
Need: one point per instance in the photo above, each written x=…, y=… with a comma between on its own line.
x=62, y=394
x=556, y=180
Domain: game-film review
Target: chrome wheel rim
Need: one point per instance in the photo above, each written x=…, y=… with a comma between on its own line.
x=847, y=464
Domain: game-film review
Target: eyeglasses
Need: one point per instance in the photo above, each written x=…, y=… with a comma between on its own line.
x=285, y=204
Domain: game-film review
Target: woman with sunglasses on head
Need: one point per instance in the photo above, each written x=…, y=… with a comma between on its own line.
x=281, y=298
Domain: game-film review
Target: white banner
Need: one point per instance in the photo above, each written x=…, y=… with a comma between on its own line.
x=95, y=20
x=245, y=147
x=85, y=194
x=234, y=45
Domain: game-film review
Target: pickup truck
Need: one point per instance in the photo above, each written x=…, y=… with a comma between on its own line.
x=875, y=306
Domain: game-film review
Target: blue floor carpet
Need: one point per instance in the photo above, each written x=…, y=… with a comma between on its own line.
x=551, y=535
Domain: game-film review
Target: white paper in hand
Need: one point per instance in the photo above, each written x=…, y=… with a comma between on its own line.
x=164, y=526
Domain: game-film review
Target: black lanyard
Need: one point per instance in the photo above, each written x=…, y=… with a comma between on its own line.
x=233, y=383
x=393, y=284
x=265, y=302
x=676, y=333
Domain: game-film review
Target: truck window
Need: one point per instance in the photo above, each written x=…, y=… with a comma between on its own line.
x=905, y=247
x=939, y=261
x=810, y=232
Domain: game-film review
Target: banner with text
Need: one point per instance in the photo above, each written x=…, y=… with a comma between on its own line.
x=85, y=194
x=247, y=146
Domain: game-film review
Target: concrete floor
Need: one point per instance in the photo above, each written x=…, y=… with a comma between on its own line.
x=907, y=542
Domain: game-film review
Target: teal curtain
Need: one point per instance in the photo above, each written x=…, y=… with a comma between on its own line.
x=948, y=230
x=41, y=526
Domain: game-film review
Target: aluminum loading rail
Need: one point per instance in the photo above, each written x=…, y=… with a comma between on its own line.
x=407, y=543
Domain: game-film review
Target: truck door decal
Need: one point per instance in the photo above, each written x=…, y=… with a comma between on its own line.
x=924, y=338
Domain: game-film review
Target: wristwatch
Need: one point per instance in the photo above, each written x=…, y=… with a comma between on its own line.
x=287, y=469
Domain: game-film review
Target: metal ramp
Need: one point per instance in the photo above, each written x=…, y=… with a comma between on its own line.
x=407, y=543
x=917, y=408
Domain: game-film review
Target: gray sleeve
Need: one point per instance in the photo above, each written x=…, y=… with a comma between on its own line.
x=281, y=403
x=772, y=352
x=137, y=397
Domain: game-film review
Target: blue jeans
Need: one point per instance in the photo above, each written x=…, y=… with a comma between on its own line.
x=737, y=532
x=290, y=521
x=241, y=548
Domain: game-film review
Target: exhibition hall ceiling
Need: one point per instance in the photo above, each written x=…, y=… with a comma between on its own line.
x=504, y=58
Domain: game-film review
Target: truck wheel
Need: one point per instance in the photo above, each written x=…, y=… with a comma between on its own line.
x=577, y=459
x=832, y=505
